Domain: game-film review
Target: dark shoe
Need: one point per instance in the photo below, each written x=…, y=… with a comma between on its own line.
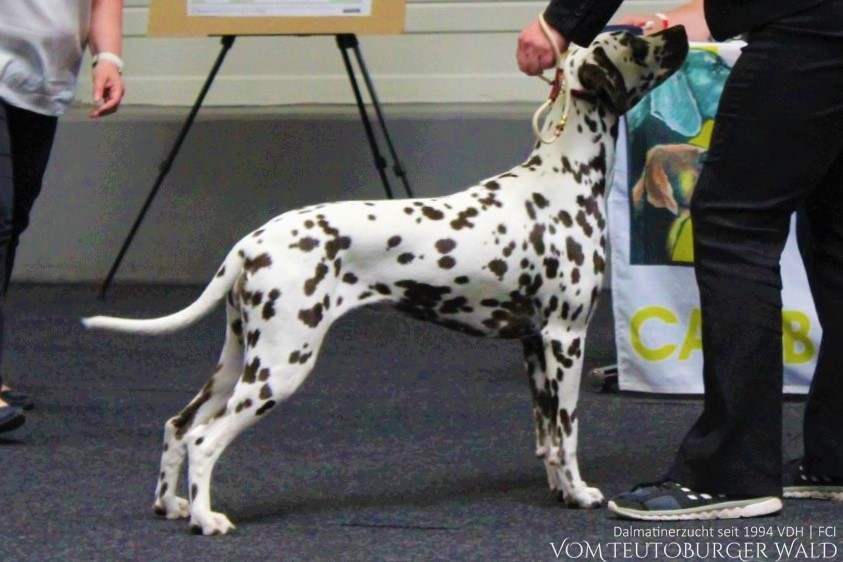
x=17, y=399
x=799, y=484
x=670, y=501
x=10, y=418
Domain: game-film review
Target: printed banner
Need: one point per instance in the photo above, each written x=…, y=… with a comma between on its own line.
x=656, y=303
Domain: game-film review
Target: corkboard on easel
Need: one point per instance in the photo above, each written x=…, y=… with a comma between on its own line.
x=169, y=18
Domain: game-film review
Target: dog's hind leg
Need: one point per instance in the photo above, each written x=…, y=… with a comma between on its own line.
x=276, y=364
x=564, y=358
x=210, y=400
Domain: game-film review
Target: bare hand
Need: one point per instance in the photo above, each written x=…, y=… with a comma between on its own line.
x=535, y=54
x=108, y=88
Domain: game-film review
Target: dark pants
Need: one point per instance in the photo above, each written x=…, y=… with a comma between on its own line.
x=26, y=139
x=777, y=144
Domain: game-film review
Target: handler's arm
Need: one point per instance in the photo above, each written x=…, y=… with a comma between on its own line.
x=106, y=37
x=577, y=21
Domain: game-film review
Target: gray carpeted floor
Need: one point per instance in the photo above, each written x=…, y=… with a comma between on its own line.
x=407, y=442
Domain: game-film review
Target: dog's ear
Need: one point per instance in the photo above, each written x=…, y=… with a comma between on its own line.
x=599, y=76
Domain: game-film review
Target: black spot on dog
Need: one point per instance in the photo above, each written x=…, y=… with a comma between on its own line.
x=537, y=239
x=184, y=420
x=306, y=244
x=421, y=294
x=382, y=289
x=565, y=218
x=540, y=201
x=265, y=408
x=565, y=421
x=551, y=267
x=311, y=284
x=393, y=242
x=258, y=263
x=531, y=210
x=406, y=258
x=251, y=370
x=574, y=251
x=263, y=374
x=583, y=222
x=575, y=276
x=252, y=338
x=461, y=280
x=599, y=263
x=268, y=309
x=498, y=267
x=221, y=272
x=311, y=316
x=462, y=220
x=453, y=306
x=333, y=246
x=266, y=392
x=445, y=245
x=349, y=278
x=575, y=349
x=447, y=262
x=432, y=214
x=533, y=162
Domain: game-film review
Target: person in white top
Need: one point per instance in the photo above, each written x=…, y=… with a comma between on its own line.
x=42, y=43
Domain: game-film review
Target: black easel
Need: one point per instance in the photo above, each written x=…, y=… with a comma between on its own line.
x=344, y=43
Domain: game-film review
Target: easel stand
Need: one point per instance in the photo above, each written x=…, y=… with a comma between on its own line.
x=345, y=42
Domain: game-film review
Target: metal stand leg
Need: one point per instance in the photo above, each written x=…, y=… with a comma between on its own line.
x=227, y=42
x=346, y=42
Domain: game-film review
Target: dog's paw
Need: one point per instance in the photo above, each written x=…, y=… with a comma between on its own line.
x=210, y=524
x=172, y=507
x=582, y=498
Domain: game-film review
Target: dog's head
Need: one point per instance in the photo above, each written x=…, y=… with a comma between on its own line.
x=620, y=68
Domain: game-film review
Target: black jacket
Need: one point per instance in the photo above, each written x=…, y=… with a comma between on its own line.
x=580, y=20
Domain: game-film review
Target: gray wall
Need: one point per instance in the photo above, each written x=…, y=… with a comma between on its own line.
x=237, y=169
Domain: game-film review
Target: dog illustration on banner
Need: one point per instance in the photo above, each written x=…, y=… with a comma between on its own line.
x=668, y=136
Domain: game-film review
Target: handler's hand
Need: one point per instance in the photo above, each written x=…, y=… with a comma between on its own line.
x=535, y=53
x=108, y=88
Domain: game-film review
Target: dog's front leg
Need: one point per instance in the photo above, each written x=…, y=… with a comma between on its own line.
x=563, y=353
x=543, y=413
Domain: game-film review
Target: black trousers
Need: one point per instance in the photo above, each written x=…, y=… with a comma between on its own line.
x=26, y=139
x=777, y=145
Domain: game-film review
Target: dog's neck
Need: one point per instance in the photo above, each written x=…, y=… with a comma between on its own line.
x=585, y=146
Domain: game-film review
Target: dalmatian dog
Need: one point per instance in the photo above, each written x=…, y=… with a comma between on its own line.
x=520, y=255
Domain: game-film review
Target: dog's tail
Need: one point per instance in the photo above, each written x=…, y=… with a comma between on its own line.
x=213, y=293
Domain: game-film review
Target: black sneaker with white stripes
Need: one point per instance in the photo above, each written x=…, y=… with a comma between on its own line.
x=671, y=501
x=798, y=483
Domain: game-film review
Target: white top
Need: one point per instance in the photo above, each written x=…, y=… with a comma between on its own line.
x=41, y=47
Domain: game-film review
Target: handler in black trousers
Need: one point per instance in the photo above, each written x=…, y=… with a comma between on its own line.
x=777, y=144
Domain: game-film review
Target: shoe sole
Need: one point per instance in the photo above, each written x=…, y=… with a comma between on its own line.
x=812, y=493
x=13, y=423
x=727, y=510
